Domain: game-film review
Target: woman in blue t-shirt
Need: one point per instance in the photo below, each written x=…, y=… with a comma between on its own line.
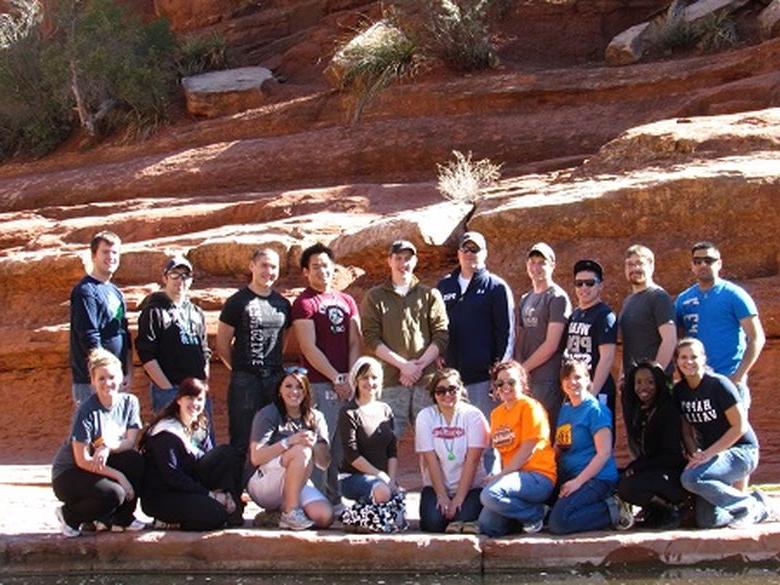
x=97, y=472
x=722, y=447
x=587, y=473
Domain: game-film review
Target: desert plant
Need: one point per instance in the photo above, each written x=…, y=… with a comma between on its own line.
x=674, y=33
x=716, y=31
x=457, y=31
x=713, y=32
x=377, y=56
x=463, y=179
x=200, y=53
x=20, y=19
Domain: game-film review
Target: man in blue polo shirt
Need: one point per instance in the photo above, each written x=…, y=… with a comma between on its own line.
x=722, y=316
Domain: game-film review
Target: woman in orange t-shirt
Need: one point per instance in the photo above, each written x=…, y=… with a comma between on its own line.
x=514, y=498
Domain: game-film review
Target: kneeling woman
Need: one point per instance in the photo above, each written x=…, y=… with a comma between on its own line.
x=722, y=447
x=288, y=438
x=652, y=479
x=514, y=498
x=184, y=485
x=450, y=436
x=586, y=465
x=370, y=460
x=97, y=472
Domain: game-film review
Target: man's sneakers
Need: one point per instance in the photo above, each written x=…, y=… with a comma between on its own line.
x=625, y=513
x=134, y=526
x=295, y=519
x=66, y=529
x=761, y=512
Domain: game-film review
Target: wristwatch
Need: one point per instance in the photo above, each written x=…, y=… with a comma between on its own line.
x=341, y=379
x=285, y=444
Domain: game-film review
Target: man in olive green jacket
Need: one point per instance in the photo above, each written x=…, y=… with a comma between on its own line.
x=405, y=325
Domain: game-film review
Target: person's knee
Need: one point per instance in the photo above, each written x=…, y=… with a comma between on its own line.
x=381, y=492
x=488, y=497
x=320, y=512
x=690, y=480
x=557, y=522
x=297, y=455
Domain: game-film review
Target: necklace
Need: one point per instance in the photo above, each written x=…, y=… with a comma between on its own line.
x=448, y=446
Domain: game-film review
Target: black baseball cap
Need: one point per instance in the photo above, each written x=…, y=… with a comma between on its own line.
x=590, y=266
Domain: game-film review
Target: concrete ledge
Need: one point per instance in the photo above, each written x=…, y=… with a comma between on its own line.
x=273, y=551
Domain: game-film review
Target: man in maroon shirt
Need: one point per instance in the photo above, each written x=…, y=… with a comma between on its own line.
x=327, y=325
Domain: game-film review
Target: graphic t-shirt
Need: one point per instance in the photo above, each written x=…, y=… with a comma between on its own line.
x=259, y=323
x=705, y=408
x=510, y=427
x=331, y=313
x=467, y=429
x=586, y=330
x=537, y=311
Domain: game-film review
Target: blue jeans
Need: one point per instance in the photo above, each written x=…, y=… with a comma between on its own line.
x=358, y=486
x=247, y=394
x=431, y=518
x=329, y=404
x=513, y=500
x=80, y=393
x=480, y=396
x=162, y=397
x=717, y=502
x=406, y=404
x=589, y=508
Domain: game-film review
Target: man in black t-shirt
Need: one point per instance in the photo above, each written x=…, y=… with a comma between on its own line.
x=250, y=341
x=591, y=332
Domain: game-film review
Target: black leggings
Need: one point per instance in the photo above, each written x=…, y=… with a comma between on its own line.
x=89, y=496
x=639, y=488
x=216, y=470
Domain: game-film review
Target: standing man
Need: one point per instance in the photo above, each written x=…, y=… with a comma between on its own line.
x=98, y=316
x=480, y=309
x=172, y=341
x=250, y=341
x=543, y=312
x=327, y=325
x=591, y=333
x=405, y=325
x=723, y=316
x=647, y=317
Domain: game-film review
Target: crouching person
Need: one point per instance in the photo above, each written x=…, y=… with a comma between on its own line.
x=189, y=484
x=97, y=471
x=287, y=439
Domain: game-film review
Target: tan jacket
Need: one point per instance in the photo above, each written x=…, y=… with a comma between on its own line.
x=407, y=325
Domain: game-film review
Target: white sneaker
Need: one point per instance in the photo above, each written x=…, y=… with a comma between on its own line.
x=134, y=526
x=533, y=527
x=625, y=514
x=295, y=519
x=66, y=529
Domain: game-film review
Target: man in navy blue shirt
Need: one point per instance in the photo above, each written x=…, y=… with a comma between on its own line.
x=480, y=308
x=98, y=316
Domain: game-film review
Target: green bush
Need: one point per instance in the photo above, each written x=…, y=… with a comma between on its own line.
x=712, y=33
x=100, y=60
x=198, y=54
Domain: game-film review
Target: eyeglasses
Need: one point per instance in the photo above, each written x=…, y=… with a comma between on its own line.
x=452, y=390
x=296, y=370
x=469, y=249
x=708, y=260
x=589, y=282
x=180, y=275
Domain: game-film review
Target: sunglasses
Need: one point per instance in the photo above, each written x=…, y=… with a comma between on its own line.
x=510, y=384
x=180, y=275
x=452, y=390
x=469, y=249
x=589, y=282
x=709, y=261
x=296, y=370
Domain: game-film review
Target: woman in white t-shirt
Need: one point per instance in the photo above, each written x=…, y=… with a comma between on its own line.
x=450, y=437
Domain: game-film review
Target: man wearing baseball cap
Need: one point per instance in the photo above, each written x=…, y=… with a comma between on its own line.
x=591, y=333
x=480, y=308
x=172, y=342
x=543, y=313
x=405, y=325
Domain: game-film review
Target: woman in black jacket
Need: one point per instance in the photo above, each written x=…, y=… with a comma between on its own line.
x=187, y=483
x=652, y=479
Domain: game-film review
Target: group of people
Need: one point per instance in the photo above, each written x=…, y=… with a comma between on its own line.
x=513, y=409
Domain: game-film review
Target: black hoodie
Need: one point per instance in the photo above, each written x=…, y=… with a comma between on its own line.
x=174, y=336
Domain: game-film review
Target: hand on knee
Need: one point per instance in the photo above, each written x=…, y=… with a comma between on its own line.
x=297, y=455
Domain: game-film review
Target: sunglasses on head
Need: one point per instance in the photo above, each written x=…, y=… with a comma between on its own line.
x=708, y=260
x=296, y=370
x=589, y=282
x=451, y=389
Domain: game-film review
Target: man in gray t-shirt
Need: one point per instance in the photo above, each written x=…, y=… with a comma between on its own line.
x=647, y=317
x=543, y=312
